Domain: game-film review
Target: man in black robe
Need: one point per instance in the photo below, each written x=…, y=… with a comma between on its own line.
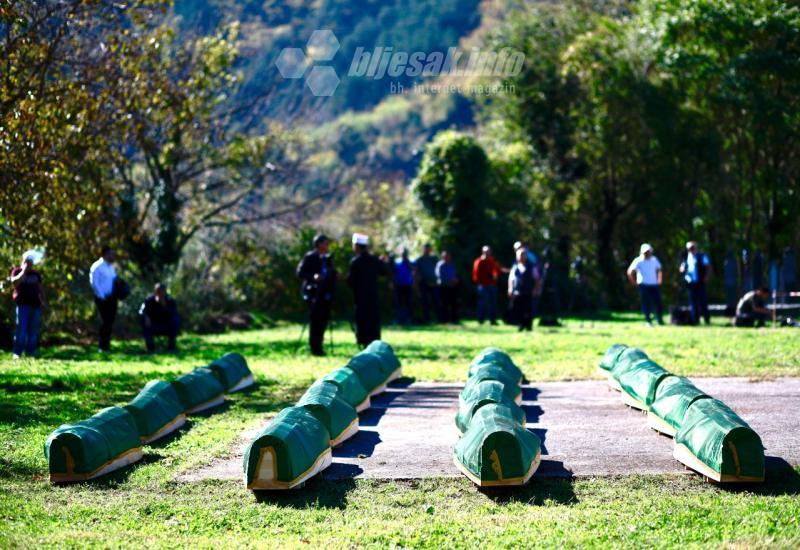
x=363, y=280
x=319, y=280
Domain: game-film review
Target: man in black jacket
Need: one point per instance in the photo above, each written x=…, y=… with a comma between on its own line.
x=158, y=315
x=319, y=280
x=363, y=280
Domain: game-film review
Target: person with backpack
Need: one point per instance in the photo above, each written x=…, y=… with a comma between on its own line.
x=696, y=270
x=645, y=274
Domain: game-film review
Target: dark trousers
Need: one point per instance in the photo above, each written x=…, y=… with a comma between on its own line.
x=319, y=315
x=449, y=296
x=698, y=302
x=26, y=337
x=368, y=323
x=430, y=299
x=522, y=311
x=487, y=303
x=150, y=331
x=403, y=303
x=751, y=320
x=651, y=301
x=108, y=312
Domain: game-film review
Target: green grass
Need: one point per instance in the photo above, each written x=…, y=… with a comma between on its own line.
x=146, y=505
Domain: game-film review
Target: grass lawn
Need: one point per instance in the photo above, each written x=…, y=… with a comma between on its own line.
x=144, y=505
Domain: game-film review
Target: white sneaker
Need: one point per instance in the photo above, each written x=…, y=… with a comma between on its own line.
x=15, y=357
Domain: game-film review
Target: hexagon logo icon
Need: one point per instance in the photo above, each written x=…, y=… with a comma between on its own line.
x=292, y=63
x=322, y=45
x=322, y=81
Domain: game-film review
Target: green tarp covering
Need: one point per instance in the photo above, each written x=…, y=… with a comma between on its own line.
x=628, y=358
x=198, y=389
x=155, y=408
x=76, y=451
x=611, y=356
x=484, y=393
x=337, y=415
x=350, y=387
x=496, y=450
x=673, y=397
x=491, y=372
x=231, y=369
x=641, y=380
x=293, y=447
x=386, y=352
x=371, y=369
x=722, y=441
x=494, y=356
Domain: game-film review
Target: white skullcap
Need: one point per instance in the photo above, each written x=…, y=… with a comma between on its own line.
x=645, y=248
x=360, y=238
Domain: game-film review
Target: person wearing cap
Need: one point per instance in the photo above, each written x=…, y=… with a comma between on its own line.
x=158, y=316
x=696, y=269
x=102, y=276
x=362, y=278
x=318, y=278
x=532, y=259
x=425, y=269
x=646, y=274
x=28, y=299
x=485, y=272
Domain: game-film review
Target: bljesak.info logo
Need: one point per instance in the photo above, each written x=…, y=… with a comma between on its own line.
x=380, y=62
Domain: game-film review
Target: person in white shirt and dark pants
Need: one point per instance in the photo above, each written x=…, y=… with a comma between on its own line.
x=645, y=273
x=102, y=275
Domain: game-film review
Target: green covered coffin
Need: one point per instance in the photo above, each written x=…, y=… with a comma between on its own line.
x=103, y=443
x=199, y=390
x=611, y=356
x=494, y=356
x=492, y=372
x=484, y=393
x=157, y=410
x=350, y=387
x=291, y=449
x=371, y=370
x=338, y=416
x=673, y=397
x=626, y=360
x=715, y=442
x=495, y=450
x=231, y=369
x=386, y=352
x=640, y=382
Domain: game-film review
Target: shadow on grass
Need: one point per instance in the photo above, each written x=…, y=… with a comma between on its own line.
x=315, y=493
x=536, y=493
x=780, y=478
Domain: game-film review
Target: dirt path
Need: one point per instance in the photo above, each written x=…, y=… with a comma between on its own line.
x=585, y=430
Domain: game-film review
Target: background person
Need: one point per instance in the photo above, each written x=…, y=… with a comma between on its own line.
x=28, y=299
x=363, y=280
x=318, y=284
x=751, y=311
x=448, y=281
x=485, y=272
x=521, y=286
x=158, y=316
x=102, y=276
x=646, y=274
x=425, y=267
x=403, y=280
x=696, y=269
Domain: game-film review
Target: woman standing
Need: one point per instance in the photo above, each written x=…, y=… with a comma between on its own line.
x=28, y=299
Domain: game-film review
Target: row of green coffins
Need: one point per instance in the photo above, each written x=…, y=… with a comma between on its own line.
x=113, y=438
x=709, y=437
x=297, y=443
x=495, y=448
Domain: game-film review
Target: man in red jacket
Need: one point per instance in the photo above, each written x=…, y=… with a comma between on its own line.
x=485, y=271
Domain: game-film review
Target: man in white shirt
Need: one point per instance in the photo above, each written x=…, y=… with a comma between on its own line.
x=102, y=275
x=645, y=273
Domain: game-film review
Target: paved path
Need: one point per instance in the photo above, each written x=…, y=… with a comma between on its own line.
x=585, y=430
